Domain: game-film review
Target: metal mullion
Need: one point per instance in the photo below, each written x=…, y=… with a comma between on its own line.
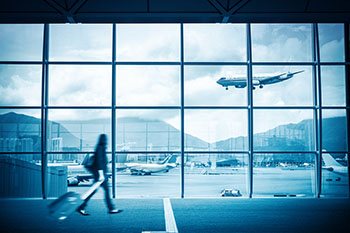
x=10, y=152
x=347, y=83
x=113, y=123
x=282, y=107
x=334, y=63
x=250, y=111
x=44, y=113
x=282, y=63
x=21, y=62
x=79, y=63
x=147, y=152
x=216, y=107
x=152, y=63
x=318, y=112
x=215, y=152
x=79, y=107
x=147, y=107
x=285, y=152
x=215, y=63
x=182, y=110
x=20, y=107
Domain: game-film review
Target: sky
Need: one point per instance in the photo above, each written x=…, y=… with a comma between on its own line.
x=159, y=85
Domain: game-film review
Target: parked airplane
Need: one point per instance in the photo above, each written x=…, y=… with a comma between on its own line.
x=78, y=173
x=333, y=166
x=260, y=81
x=148, y=168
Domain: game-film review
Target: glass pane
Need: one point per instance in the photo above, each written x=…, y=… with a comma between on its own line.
x=279, y=175
x=334, y=133
x=281, y=42
x=148, y=85
x=148, y=42
x=20, y=130
x=335, y=179
x=333, y=85
x=216, y=175
x=20, y=175
x=331, y=39
x=80, y=85
x=20, y=85
x=80, y=42
x=149, y=176
x=283, y=130
x=72, y=130
x=216, y=130
x=21, y=42
x=282, y=86
x=148, y=130
x=207, y=85
x=215, y=42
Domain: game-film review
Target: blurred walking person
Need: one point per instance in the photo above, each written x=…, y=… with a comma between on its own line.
x=99, y=170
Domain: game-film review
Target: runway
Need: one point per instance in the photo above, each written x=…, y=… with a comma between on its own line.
x=207, y=182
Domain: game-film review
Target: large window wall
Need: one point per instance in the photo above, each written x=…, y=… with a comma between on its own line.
x=278, y=128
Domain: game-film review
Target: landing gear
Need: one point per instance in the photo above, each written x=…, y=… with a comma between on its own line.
x=226, y=88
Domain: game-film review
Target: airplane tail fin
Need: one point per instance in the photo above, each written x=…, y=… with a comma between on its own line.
x=169, y=159
x=330, y=161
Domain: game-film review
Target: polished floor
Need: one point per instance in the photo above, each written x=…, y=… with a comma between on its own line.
x=189, y=215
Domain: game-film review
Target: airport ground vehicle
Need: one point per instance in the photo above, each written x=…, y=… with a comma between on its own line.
x=230, y=193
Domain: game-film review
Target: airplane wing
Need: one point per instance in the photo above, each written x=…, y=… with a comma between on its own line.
x=269, y=80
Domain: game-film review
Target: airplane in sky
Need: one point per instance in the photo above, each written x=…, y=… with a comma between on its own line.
x=148, y=168
x=333, y=166
x=78, y=173
x=241, y=82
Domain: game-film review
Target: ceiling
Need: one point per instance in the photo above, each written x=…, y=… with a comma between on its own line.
x=174, y=11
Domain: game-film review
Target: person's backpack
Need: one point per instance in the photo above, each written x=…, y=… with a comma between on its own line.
x=90, y=162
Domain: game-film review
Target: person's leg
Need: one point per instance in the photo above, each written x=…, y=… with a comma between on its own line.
x=108, y=200
x=81, y=208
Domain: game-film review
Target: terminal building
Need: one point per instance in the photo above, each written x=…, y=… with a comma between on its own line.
x=220, y=115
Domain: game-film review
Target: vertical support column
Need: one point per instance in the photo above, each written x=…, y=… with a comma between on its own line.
x=318, y=116
x=316, y=107
x=44, y=103
x=182, y=111
x=250, y=111
x=347, y=81
x=113, y=125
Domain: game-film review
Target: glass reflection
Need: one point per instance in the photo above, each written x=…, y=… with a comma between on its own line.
x=215, y=42
x=333, y=85
x=20, y=131
x=335, y=179
x=148, y=42
x=331, y=39
x=334, y=133
x=282, y=86
x=73, y=130
x=216, y=175
x=148, y=85
x=80, y=42
x=20, y=85
x=281, y=42
x=148, y=130
x=216, y=130
x=21, y=175
x=148, y=175
x=283, y=130
x=21, y=42
x=203, y=86
x=284, y=175
x=80, y=85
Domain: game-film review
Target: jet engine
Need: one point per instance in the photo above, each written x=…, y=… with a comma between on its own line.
x=72, y=181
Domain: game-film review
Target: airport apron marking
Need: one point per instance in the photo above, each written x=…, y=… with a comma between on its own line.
x=170, y=224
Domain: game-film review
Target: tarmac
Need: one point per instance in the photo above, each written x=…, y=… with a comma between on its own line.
x=227, y=214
